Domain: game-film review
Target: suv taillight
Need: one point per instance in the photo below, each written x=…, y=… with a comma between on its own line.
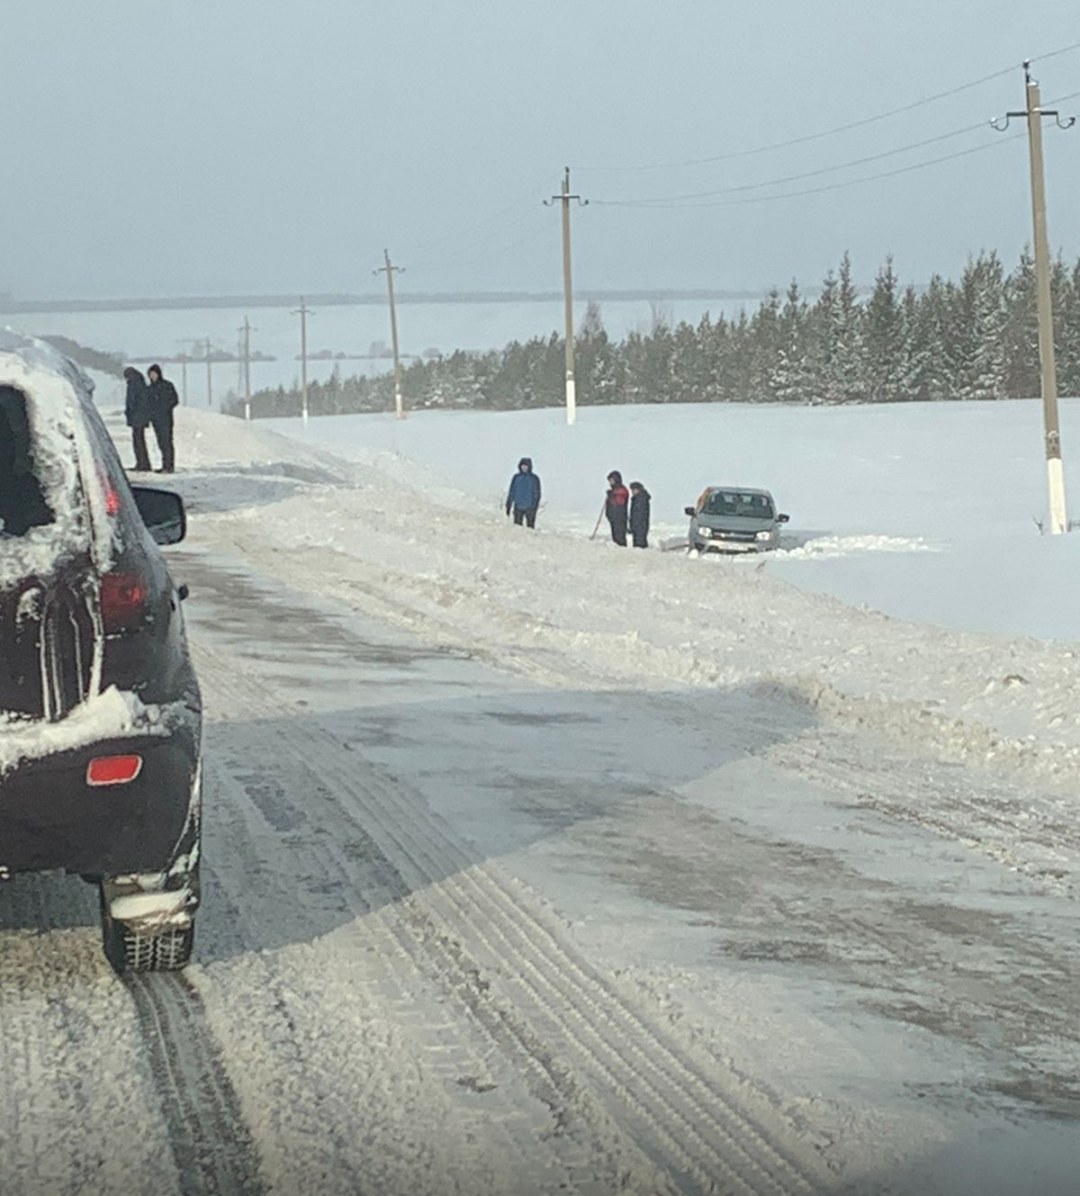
x=123, y=601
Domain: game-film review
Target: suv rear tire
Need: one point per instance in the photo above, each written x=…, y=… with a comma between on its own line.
x=130, y=950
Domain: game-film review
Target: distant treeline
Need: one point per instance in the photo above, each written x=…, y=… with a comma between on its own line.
x=89, y=359
x=976, y=338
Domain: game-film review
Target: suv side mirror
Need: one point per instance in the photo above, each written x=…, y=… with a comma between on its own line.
x=782, y=518
x=691, y=511
x=163, y=513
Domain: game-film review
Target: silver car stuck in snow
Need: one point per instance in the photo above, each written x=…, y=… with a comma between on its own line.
x=734, y=519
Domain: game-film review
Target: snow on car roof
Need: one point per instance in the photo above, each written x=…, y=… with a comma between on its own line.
x=54, y=389
x=740, y=490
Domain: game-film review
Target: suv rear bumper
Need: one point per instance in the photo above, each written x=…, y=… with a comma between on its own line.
x=51, y=819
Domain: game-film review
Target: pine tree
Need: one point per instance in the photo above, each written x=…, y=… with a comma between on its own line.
x=820, y=357
x=1069, y=335
x=789, y=377
x=1020, y=330
x=981, y=310
x=848, y=373
x=766, y=341
x=884, y=339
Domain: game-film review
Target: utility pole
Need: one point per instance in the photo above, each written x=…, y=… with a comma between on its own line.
x=186, y=356
x=303, y=311
x=1033, y=113
x=209, y=375
x=389, y=270
x=245, y=357
x=568, y=292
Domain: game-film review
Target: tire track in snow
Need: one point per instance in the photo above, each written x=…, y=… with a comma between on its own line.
x=603, y=1058
x=210, y=1143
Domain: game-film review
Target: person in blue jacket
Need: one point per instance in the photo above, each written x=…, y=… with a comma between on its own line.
x=523, y=497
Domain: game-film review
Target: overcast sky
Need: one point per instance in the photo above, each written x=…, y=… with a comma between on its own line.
x=237, y=146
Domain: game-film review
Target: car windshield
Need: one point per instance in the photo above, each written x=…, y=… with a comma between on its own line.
x=736, y=503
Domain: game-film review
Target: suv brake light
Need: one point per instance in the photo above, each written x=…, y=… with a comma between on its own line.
x=123, y=600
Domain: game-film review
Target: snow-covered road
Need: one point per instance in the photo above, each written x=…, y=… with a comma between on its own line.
x=501, y=900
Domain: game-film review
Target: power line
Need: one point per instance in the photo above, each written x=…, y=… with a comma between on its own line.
x=543, y=186
x=475, y=259
x=1055, y=54
x=887, y=174
x=808, y=174
x=470, y=247
x=836, y=129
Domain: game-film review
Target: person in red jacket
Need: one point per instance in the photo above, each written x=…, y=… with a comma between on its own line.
x=616, y=508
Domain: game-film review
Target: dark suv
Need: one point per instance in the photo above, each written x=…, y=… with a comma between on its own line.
x=100, y=714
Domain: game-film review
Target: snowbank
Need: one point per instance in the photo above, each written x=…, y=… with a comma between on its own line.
x=587, y=615
x=926, y=511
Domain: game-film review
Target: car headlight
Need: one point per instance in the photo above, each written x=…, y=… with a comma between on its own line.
x=704, y=532
x=765, y=535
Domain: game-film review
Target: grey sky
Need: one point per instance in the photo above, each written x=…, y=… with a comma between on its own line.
x=180, y=146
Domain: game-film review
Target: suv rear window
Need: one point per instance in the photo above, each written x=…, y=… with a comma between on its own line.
x=22, y=504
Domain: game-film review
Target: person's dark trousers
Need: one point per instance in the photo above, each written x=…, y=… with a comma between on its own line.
x=618, y=526
x=526, y=515
x=142, y=457
x=641, y=539
x=163, y=430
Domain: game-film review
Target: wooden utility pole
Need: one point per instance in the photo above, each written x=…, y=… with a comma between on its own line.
x=1033, y=113
x=209, y=376
x=303, y=311
x=389, y=270
x=568, y=292
x=183, y=378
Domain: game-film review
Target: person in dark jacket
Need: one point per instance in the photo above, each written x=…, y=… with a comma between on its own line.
x=640, y=501
x=161, y=401
x=615, y=507
x=523, y=497
x=137, y=411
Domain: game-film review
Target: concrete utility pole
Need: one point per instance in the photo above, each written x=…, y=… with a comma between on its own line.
x=245, y=356
x=303, y=311
x=190, y=346
x=568, y=292
x=389, y=270
x=1033, y=113
x=209, y=375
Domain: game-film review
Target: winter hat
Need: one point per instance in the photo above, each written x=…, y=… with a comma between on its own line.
x=525, y=461
x=156, y=369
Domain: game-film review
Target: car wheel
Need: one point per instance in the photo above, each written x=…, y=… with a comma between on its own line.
x=130, y=949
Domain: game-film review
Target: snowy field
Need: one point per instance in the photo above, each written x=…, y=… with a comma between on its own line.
x=922, y=511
